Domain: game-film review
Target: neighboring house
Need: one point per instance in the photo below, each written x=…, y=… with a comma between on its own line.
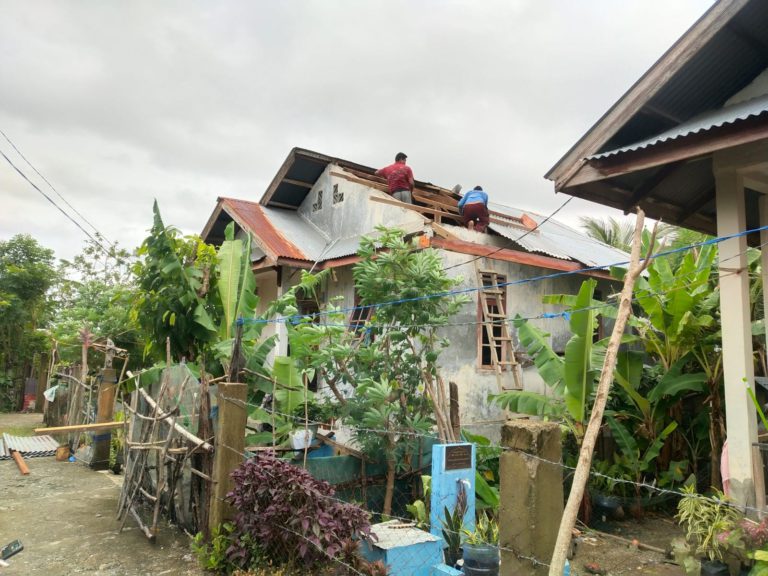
x=688, y=143
x=317, y=209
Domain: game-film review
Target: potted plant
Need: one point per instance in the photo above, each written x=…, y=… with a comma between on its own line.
x=481, y=548
x=712, y=531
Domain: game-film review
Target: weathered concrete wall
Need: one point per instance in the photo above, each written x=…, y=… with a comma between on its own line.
x=531, y=495
x=461, y=361
x=355, y=214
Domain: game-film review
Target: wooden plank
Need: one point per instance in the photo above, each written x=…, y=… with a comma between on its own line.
x=80, y=428
x=425, y=210
x=341, y=447
x=19, y=459
x=300, y=183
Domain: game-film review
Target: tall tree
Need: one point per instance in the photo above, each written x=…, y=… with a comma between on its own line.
x=26, y=274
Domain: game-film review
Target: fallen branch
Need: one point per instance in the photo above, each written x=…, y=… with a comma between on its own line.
x=161, y=414
x=628, y=542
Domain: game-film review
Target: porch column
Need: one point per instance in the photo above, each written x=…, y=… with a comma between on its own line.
x=740, y=415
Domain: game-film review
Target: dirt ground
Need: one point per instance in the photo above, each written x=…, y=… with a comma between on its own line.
x=618, y=558
x=64, y=515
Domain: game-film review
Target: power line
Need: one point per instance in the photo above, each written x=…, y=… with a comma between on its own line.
x=52, y=187
x=59, y=208
x=516, y=240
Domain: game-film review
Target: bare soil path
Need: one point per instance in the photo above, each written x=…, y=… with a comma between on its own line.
x=64, y=515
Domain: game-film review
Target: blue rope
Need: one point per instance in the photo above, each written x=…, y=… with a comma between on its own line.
x=297, y=317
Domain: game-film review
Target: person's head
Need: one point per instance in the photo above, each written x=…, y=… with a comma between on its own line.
x=400, y=157
x=479, y=188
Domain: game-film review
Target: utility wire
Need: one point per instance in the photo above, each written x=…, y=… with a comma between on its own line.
x=52, y=187
x=59, y=208
x=563, y=205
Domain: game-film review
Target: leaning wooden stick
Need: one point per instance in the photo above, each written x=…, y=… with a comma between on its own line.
x=581, y=475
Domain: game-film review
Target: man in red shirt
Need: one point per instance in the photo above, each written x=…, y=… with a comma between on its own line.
x=399, y=179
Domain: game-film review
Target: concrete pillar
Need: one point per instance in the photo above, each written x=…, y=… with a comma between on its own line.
x=741, y=423
x=531, y=495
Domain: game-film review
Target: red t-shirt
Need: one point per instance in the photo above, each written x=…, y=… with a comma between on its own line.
x=398, y=176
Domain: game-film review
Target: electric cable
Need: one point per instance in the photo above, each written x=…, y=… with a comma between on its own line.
x=59, y=208
x=53, y=188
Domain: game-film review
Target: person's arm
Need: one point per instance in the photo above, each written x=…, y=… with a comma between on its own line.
x=379, y=172
x=410, y=178
x=485, y=198
x=462, y=202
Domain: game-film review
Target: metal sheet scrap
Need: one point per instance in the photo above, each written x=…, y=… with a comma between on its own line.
x=29, y=446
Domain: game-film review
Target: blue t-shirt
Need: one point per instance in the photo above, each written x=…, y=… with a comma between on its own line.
x=473, y=196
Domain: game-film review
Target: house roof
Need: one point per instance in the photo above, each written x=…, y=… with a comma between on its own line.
x=654, y=147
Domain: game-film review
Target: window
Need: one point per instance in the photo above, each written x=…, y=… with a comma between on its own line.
x=337, y=196
x=319, y=204
x=360, y=315
x=496, y=302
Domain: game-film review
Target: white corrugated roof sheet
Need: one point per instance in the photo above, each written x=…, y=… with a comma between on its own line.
x=555, y=239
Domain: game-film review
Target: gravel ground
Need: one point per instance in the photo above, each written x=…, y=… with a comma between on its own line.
x=64, y=515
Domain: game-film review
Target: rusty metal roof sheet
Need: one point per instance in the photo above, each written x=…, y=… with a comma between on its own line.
x=29, y=446
x=701, y=123
x=259, y=220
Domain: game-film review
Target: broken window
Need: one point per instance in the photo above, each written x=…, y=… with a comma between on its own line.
x=337, y=196
x=497, y=304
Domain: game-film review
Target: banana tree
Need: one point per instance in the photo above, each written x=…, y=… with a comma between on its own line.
x=571, y=377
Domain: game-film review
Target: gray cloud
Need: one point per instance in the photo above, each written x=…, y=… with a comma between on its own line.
x=120, y=103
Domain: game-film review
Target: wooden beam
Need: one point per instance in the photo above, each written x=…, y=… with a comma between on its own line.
x=685, y=148
x=425, y=210
x=162, y=415
x=19, y=459
x=649, y=185
x=698, y=203
x=275, y=204
x=297, y=183
x=80, y=428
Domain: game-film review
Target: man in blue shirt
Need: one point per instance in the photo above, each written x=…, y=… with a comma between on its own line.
x=473, y=207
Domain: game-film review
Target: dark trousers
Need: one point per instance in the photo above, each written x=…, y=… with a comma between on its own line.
x=476, y=212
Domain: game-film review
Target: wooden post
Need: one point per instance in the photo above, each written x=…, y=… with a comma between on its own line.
x=106, y=404
x=42, y=383
x=581, y=474
x=229, y=448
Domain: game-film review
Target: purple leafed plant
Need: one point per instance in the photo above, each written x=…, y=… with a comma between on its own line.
x=290, y=514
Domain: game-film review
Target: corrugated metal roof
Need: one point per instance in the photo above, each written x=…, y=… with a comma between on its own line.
x=555, y=239
x=29, y=446
x=702, y=123
x=253, y=217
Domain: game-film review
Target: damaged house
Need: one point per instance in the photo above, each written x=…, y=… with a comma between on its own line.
x=316, y=210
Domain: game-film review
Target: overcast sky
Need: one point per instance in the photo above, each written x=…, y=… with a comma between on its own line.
x=117, y=103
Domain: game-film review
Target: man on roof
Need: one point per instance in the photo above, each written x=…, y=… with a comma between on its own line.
x=399, y=179
x=473, y=207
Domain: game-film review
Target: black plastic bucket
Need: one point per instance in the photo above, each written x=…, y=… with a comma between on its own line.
x=710, y=568
x=481, y=560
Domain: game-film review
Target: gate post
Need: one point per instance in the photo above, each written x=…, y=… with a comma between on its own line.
x=531, y=495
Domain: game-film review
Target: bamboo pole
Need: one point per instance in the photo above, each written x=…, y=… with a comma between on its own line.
x=581, y=475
